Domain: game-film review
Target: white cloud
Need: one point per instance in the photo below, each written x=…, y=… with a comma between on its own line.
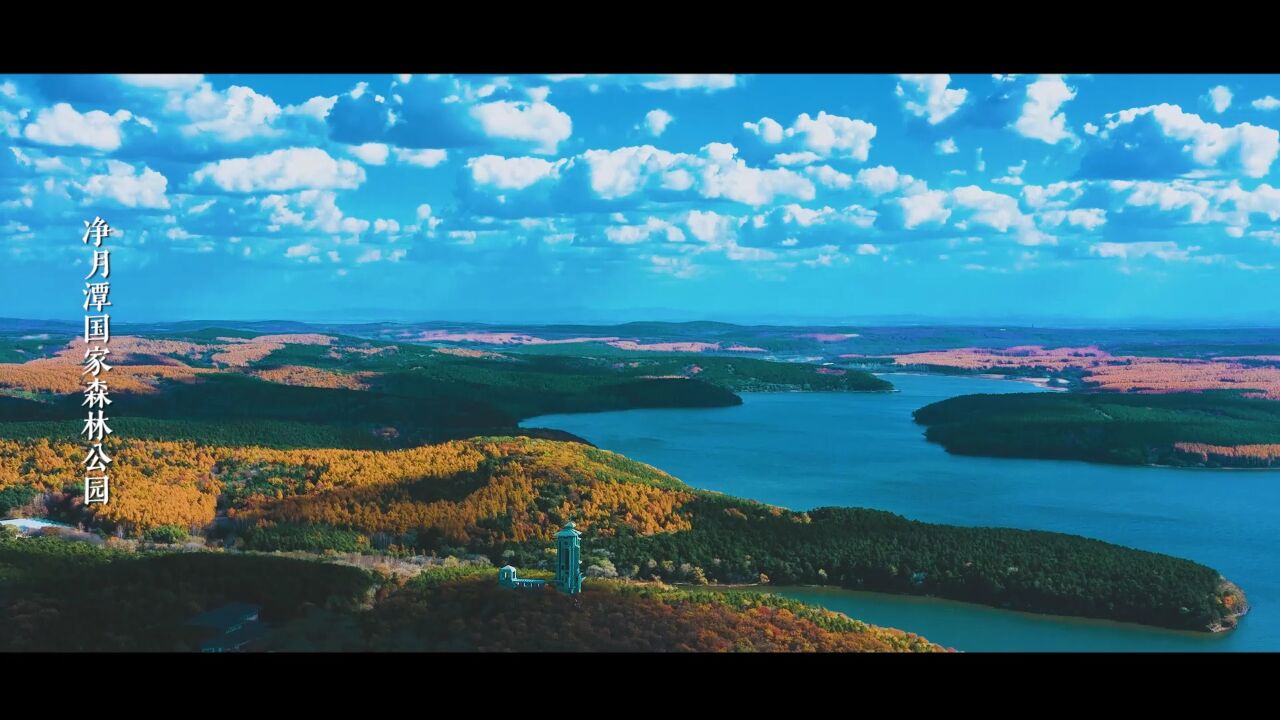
x=979, y=164
x=1040, y=118
x=1014, y=176
x=317, y=107
x=946, y=147
x=709, y=226
x=63, y=126
x=1167, y=197
x=514, y=173
x=727, y=176
x=657, y=121
x=1087, y=218
x=1163, y=250
x=424, y=158
x=289, y=169
x=1266, y=103
x=370, y=153
x=829, y=177
x=301, y=250
x=767, y=129
x=1256, y=146
x=619, y=173
x=796, y=158
x=312, y=211
x=691, y=82
x=868, y=249
x=924, y=208
x=834, y=135
x=1090, y=129
x=1220, y=98
x=145, y=189
x=999, y=212
x=386, y=226
x=632, y=234
x=232, y=116
x=537, y=121
x=929, y=95
x=825, y=135
x=1038, y=196
x=885, y=178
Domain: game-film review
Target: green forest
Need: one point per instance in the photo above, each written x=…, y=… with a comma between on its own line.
x=1127, y=429
x=65, y=596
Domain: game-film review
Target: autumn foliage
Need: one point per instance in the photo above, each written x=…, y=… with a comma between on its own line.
x=1117, y=373
x=499, y=490
x=474, y=614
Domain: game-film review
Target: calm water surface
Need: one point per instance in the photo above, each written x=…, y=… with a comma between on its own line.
x=804, y=450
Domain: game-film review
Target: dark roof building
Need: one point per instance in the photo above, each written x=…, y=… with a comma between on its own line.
x=234, y=626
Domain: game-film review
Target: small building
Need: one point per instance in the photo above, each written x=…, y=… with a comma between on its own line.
x=507, y=578
x=233, y=627
x=568, y=565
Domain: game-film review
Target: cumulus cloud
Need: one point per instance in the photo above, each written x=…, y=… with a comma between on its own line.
x=123, y=184
x=427, y=158
x=316, y=108
x=1219, y=98
x=536, y=121
x=726, y=175
x=511, y=173
x=64, y=126
x=768, y=130
x=288, y=169
x=1266, y=103
x=1253, y=148
x=1041, y=118
x=946, y=147
x=1037, y=196
x=633, y=234
x=796, y=158
x=656, y=121
x=999, y=212
x=826, y=135
x=1087, y=218
x=925, y=208
x=1168, y=251
x=230, y=116
x=310, y=211
x=619, y=173
x=884, y=179
x=371, y=153
x=928, y=95
x=829, y=177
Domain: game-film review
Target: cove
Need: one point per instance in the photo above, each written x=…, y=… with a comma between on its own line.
x=806, y=450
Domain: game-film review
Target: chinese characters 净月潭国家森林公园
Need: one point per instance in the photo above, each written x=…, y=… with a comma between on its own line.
x=97, y=336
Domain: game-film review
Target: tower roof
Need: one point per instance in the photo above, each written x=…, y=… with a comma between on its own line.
x=568, y=531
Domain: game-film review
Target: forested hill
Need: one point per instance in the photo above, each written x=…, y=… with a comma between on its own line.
x=1210, y=429
x=504, y=498
x=57, y=595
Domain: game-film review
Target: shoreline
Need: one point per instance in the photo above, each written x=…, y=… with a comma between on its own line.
x=1207, y=633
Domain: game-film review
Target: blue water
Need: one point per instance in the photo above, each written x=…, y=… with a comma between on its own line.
x=803, y=450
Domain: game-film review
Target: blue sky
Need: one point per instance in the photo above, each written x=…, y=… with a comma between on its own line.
x=1100, y=198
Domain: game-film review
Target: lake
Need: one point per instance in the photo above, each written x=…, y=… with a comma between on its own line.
x=806, y=450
